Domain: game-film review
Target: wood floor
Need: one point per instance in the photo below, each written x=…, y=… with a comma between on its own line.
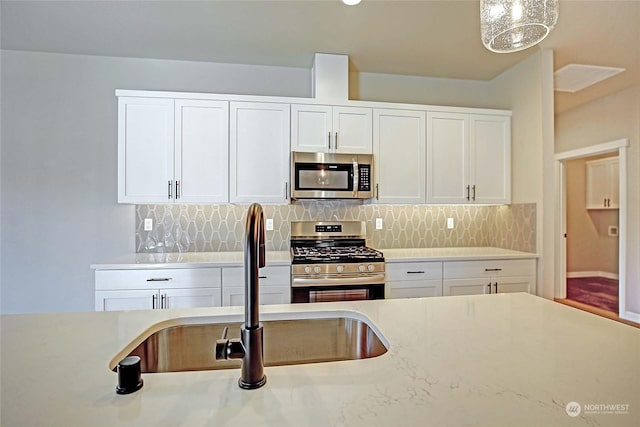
x=597, y=311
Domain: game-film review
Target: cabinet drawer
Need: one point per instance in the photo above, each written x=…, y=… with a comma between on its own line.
x=269, y=276
x=413, y=289
x=413, y=271
x=158, y=278
x=489, y=268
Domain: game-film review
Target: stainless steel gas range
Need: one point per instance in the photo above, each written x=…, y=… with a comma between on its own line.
x=331, y=262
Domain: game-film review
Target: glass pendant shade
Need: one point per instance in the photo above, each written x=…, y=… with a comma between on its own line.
x=513, y=25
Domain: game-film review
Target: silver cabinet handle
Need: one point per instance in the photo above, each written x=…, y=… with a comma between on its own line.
x=159, y=279
x=329, y=139
x=492, y=269
x=170, y=192
x=468, y=196
x=154, y=300
x=177, y=189
x=473, y=187
x=415, y=272
x=163, y=301
x=286, y=190
x=335, y=141
x=377, y=192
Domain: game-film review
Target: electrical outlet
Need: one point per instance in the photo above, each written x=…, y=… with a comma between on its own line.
x=450, y=223
x=269, y=224
x=148, y=224
x=378, y=223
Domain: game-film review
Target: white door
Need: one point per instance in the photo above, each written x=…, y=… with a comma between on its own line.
x=490, y=159
x=466, y=286
x=352, y=130
x=447, y=158
x=399, y=146
x=145, y=150
x=202, y=151
x=126, y=300
x=259, y=152
x=191, y=298
x=614, y=193
x=311, y=128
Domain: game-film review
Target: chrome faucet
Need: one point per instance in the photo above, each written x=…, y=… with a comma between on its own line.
x=249, y=347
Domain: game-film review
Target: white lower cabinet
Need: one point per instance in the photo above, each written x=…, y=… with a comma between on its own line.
x=157, y=288
x=274, y=285
x=413, y=279
x=489, y=277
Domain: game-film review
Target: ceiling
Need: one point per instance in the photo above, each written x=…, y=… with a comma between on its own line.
x=420, y=38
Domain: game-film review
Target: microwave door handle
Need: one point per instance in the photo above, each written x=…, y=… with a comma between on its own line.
x=356, y=178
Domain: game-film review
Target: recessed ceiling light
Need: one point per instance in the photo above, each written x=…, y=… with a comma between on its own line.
x=575, y=77
x=351, y=2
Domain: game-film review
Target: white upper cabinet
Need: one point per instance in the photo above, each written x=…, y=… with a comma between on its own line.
x=202, y=151
x=145, y=150
x=331, y=129
x=603, y=182
x=172, y=151
x=399, y=147
x=259, y=152
x=468, y=158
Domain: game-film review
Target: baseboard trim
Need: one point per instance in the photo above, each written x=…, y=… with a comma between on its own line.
x=580, y=274
x=631, y=316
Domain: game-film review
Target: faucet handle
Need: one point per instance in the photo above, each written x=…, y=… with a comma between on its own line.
x=229, y=349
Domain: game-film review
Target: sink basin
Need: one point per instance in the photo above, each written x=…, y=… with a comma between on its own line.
x=190, y=346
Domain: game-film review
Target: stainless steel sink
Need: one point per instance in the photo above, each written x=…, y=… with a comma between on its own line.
x=190, y=347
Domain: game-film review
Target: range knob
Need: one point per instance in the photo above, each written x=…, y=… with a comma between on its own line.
x=316, y=269
x=371, y=267
x=307, y=269
x=361, y=268
x=339, y=269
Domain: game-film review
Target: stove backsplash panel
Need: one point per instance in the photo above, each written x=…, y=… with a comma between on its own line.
x=218, y=228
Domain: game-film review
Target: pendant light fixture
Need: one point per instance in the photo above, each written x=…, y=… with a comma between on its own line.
x=513, y=25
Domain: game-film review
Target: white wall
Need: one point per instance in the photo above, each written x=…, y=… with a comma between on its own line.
x=527, y=89
x=59, y=152
x=608, y=119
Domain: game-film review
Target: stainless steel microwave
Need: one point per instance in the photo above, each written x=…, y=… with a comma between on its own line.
x=331, y=176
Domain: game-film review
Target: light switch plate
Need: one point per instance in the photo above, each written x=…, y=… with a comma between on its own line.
x=148, y=224
x=450, y=223
x=269, y=224
x=378, y=223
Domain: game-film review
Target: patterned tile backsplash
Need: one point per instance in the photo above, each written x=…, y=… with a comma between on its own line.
x=218, y=228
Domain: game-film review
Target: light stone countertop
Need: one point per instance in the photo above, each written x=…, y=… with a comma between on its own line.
x=227, y=259
x=485, y=360
x=187, y=260
x=452, y=254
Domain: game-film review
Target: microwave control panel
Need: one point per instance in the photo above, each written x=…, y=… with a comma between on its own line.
x=364, y=181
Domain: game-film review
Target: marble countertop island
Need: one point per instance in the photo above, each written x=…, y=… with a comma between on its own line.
x=486, y=360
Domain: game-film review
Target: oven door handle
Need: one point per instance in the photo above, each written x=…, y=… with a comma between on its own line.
x=369, y=279
x=356, y=178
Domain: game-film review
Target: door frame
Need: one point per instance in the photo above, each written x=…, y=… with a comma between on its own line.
x=620, y=146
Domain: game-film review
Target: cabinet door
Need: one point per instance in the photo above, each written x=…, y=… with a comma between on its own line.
x=399, y=146
x=490, y=159
x=259, y=152
x=126, y=300
x=602, y=183
x=190, y=298
x=234, y=295
x=311, y=128
x=466, y=286
x=447, y=158
x=145, y=150
x=413, y=289
x=202, y=151
x=352, y=130
x=515, y=284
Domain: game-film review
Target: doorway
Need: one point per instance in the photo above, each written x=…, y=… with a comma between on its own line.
x=594, y=244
